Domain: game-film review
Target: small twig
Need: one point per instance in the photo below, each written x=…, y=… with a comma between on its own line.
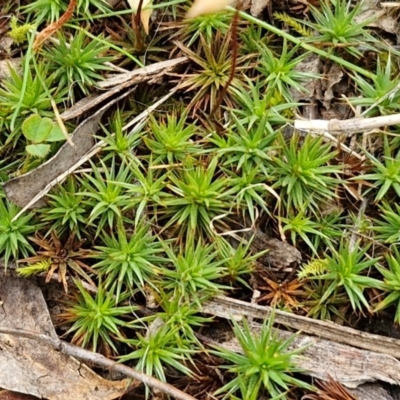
x=347, y=126
x=390, y=4
x=99, y=360
x=152, y=71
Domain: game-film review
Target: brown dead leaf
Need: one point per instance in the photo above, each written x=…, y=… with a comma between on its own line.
x=281, y=256
x=258, y=6
x=332, y=77
x=6, y=66
x=38, y=369
x=311, y=64
x=330, y=390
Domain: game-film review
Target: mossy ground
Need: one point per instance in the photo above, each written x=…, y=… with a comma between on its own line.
x=163, y=215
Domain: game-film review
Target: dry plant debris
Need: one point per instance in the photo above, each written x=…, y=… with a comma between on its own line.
x=44, y=371
x=59, y=257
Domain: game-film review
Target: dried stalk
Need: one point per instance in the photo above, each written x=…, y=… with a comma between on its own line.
x=347, y=126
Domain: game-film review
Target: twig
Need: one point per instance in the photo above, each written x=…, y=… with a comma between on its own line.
x=99, y=360
x=152, y=71
x=347, y=126
x=390, y=4
x=120, y=83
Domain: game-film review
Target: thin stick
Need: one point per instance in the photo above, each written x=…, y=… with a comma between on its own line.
x=347, y=126
x=98, y=359
x=388, y=4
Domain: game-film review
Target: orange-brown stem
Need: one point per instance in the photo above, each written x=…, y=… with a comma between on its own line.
x=54, y=27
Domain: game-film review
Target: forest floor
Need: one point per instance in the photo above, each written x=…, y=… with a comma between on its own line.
x=205, y=194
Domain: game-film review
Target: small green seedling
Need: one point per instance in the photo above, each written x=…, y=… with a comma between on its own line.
x=38, y=130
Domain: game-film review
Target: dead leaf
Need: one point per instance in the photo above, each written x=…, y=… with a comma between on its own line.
x=5, y=45
x=258, y=6
x=201, y=7
x=382, y=17
x=6, y=66
x=281, y=256
x=311, y=64
x=332, y=77
x=40, y=370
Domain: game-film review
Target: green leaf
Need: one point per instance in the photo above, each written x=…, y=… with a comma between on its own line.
x=38, y=150
x=56, y=134
x=37, y=129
